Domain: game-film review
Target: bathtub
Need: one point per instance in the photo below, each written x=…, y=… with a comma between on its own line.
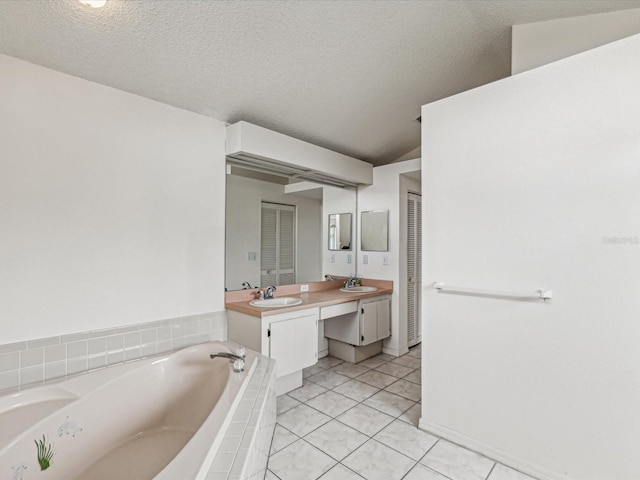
x=161, y=417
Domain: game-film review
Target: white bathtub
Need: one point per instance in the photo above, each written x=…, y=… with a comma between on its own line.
x=161, y=418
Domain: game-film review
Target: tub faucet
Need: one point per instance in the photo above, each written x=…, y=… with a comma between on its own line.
x=268, y=292
x=238, y=361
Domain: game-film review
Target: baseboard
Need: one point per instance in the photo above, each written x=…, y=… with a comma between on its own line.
x=323, y=353
x=394, y=351
x=491, y=452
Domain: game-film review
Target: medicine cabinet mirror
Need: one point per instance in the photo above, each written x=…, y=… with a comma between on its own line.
x=374, y=227
x=340, y=231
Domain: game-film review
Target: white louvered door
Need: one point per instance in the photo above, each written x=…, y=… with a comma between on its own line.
x=414, y=268
x=277, y=244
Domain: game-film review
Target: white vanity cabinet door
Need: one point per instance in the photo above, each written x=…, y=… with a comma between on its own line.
x=375, y=321
x=383, y=309
x=293, y=343
x=369, y=323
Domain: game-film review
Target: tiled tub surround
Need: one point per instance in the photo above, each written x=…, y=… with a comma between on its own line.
x=244, y=450
x=35, y=361
x=349, y=422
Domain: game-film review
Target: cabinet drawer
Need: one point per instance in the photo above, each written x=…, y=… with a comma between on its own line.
x=337, y=310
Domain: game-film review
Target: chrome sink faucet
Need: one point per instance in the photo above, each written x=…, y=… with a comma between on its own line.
x=268, y=292
x=351, y=282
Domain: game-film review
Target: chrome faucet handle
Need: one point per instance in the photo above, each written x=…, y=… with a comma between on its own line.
x=241, y=351
x=260, y=294
x=268, y=292
x=238, y=365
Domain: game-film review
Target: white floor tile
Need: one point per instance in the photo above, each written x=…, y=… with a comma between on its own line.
x=412, y=416
x=377, y=379
x=312, y=370
x=420, y=472
x=500, y=472
x=356, y=390
x=307, y=391
x=331, y=403
x=340, y=472
x=375, y=461
x=284, y=403
x=407, y=361
x=366, y=419
x=406, y=389
x=281, y=438
x=300, y=460
x=372, y=362
x=270, y=476
x=328, y=379
x=456, y=462
x=415, y=377
x=328, y=362
x=389, y=403
x=349, y=369
x=415, y=352
x=394, y=369
x=336, y=439
x=302, y=420
x=406, y=439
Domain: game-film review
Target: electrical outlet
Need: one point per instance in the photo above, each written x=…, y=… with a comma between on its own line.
x=385, y=260
x=251, y=256
x=349, y=258
x=304, y=288
x=365, y=259
x=333, y=258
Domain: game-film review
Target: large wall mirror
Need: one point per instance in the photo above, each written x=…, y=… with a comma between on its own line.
x=276, y=230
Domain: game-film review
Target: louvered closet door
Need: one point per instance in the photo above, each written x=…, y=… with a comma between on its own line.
x=277, y=244
x=414, y=268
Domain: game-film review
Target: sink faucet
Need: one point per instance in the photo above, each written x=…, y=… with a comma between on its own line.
x=268, y=292
x=246, y=286
x=351, y=282
x=238, y=360
x=329, y=277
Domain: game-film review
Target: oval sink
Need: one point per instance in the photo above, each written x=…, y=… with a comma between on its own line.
x=359, y=289
x=276, y=302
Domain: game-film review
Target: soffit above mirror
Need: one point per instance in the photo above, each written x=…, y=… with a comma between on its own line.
x=259, y=149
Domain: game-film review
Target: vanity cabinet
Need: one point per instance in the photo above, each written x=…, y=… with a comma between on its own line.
x=360, y=322
x=291, y=338
x=375, y=320
x=293, y=342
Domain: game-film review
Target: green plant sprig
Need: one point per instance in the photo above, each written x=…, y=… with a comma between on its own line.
x=45, y=453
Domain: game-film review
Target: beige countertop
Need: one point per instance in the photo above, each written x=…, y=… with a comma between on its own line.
x=320, y=294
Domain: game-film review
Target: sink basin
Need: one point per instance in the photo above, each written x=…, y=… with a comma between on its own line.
x=359, y=289
x=276, y=302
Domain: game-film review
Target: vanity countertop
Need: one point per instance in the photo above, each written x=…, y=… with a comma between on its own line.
x=320, y=294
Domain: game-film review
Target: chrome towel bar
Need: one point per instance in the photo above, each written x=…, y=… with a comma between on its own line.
x=537, y=294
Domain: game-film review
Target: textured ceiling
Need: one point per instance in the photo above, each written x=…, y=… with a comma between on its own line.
x=347, y=75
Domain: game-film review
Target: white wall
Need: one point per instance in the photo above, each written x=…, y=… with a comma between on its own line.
x=244, y=197
x=385, y=194
x=111, y=206
x=525, y=182
x=539, y=43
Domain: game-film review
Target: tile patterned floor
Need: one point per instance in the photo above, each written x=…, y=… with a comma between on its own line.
x=349, y=422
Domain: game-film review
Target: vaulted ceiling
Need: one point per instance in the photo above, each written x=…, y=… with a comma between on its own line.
x=348, y=75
